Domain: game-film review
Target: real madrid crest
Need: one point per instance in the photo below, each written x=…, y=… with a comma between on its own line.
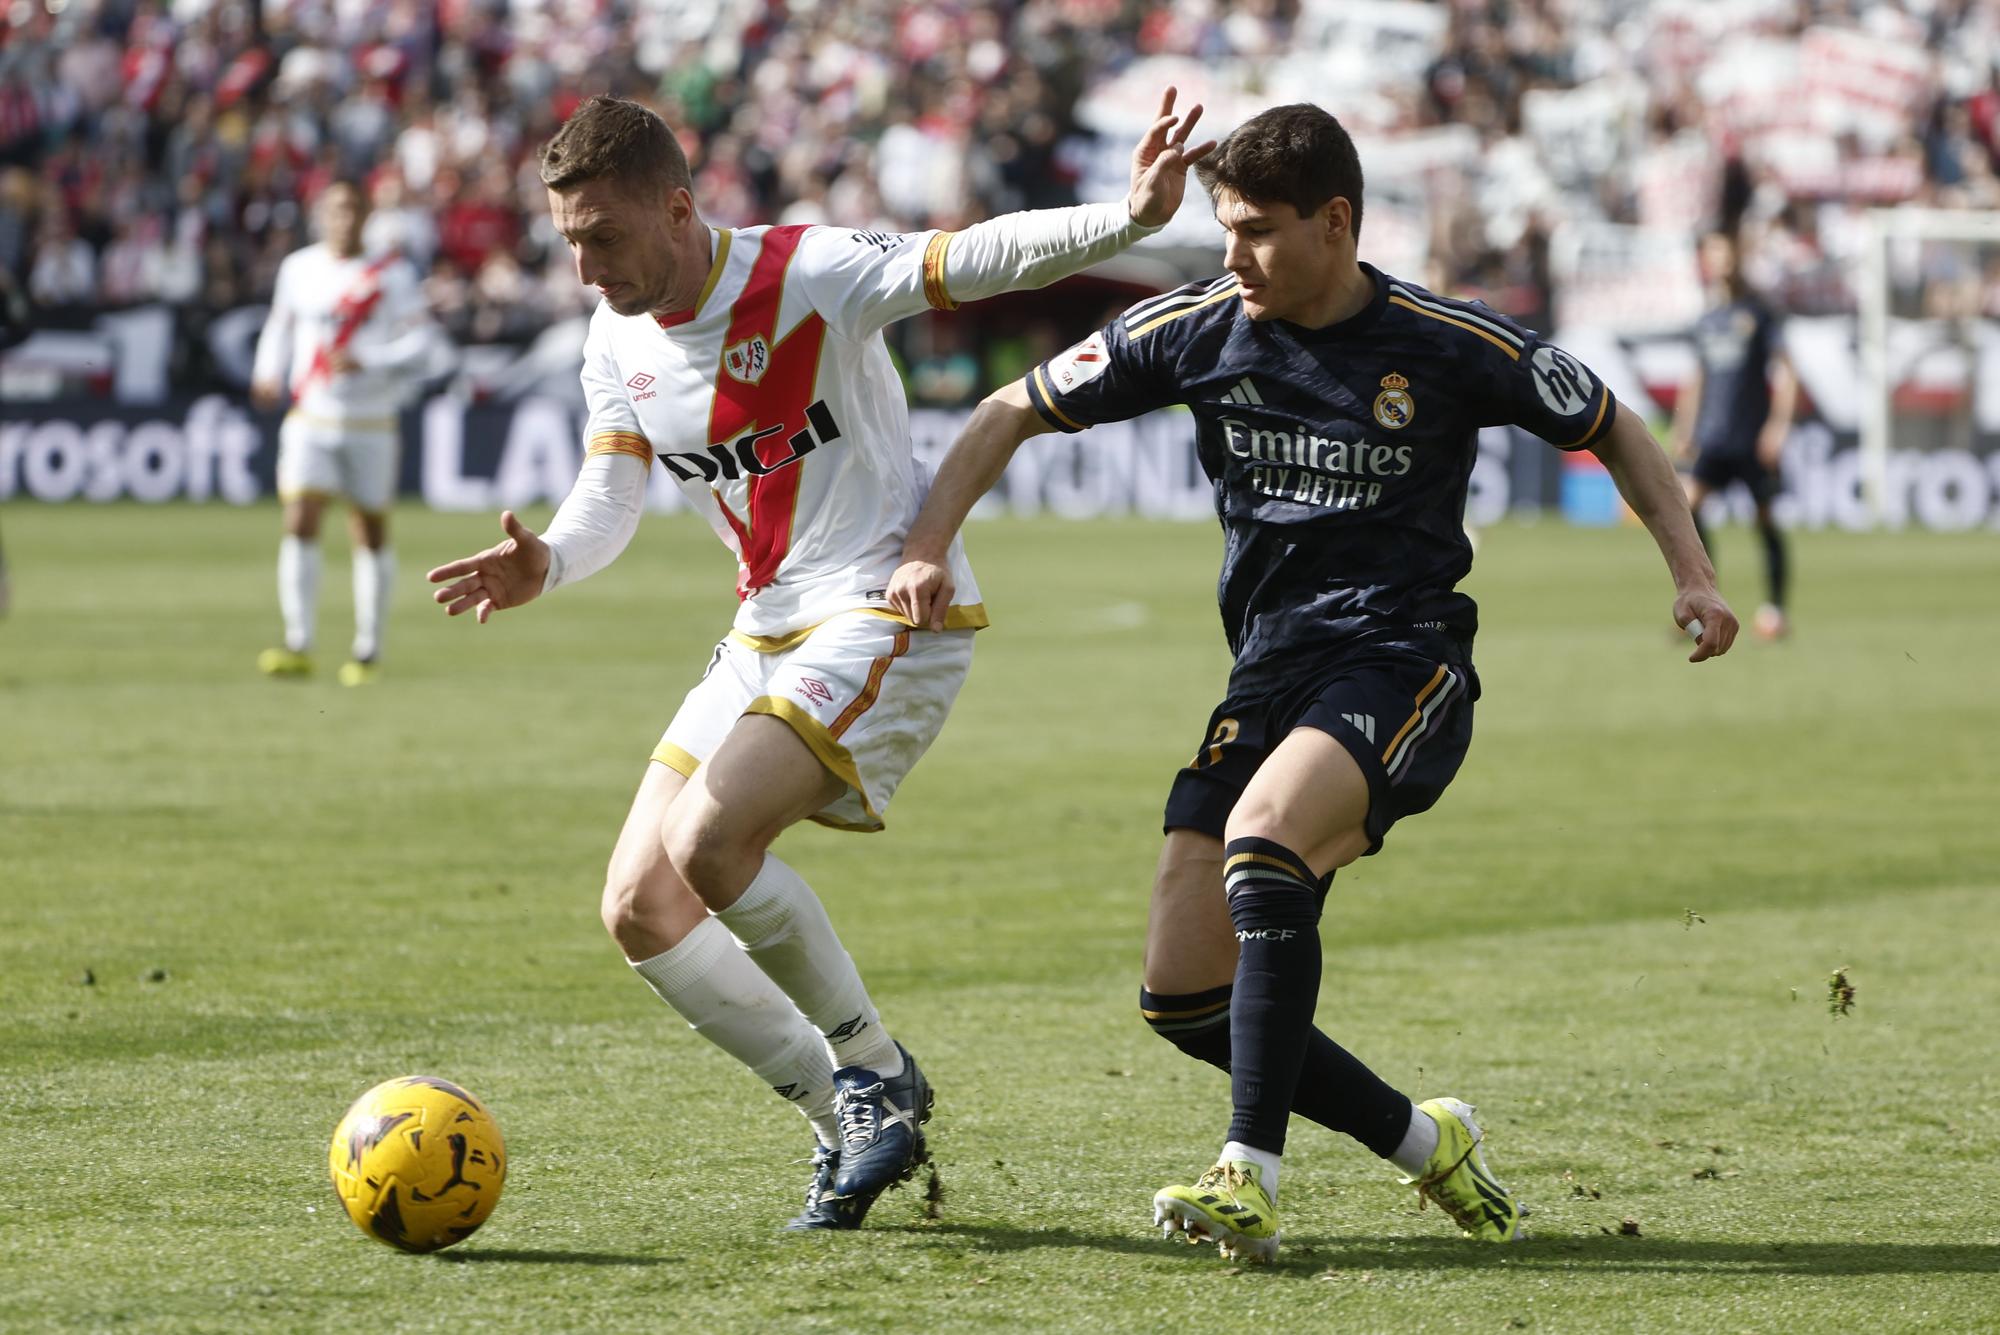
x=747, y=361
x=1393, y=406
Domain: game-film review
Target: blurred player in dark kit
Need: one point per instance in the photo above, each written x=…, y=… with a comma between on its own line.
x=1732, y=419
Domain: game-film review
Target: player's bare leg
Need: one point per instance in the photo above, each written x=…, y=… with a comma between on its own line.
x=647, y=908
x=699, y=969
x=374, y=585
x=717, y=835
x=1190, y=945
x=298, y=588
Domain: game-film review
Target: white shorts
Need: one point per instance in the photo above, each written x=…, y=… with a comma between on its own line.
x=867, y=694
x=321, y=457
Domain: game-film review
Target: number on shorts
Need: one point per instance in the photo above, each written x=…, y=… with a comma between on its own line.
x=1225, y=733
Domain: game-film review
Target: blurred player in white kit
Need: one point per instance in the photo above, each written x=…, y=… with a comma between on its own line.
x=347, y=334
x=750, y=364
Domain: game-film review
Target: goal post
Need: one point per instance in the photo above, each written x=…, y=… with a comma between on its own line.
x=1929, y=279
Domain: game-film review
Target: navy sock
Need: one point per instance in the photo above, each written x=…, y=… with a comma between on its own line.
x=1335, y=1088
x=1774, y=562
x=1274, y=902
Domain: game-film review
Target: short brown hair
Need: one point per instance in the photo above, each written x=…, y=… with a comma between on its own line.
x=609, y=138
x=1294, y=154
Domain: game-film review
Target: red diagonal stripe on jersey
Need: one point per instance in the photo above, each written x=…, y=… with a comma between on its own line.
x=779, y=398
x=349, y=314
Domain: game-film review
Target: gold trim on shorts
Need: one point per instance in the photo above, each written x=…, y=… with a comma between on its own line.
x=964, y=616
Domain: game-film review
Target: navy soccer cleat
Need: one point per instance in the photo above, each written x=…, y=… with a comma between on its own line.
x=881, y=1120
x=823, y=1208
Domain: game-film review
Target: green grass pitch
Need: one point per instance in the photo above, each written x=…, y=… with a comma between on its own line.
x=228, y=905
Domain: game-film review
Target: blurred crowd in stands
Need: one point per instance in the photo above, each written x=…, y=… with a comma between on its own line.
x=169, y=150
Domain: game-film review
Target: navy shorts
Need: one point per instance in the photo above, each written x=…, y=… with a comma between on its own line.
x=1717, y=470
x=1406, y=720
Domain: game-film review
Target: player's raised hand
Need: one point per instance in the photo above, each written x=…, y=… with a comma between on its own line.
x=920, y=592
x=1160, y=163
x=506, y=574
x=1703, y=614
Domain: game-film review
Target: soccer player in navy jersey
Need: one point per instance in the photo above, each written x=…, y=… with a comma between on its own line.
x=1336, y=411
x=1731, y=421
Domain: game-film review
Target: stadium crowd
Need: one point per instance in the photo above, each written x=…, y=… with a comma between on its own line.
x=169, y=150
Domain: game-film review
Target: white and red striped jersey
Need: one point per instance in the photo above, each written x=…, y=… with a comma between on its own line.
x=371, y=308
x=774, y=405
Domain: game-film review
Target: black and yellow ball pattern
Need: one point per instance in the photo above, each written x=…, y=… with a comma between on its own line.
x=418, y=1163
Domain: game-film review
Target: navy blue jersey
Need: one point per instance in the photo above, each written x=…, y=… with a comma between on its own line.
x=1339, y=456
x=1735, y=344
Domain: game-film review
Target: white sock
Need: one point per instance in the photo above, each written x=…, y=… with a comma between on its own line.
x=730, y=1002
x=374, y=582
x=298, y=590
x=1419, y=1143
x=1267, y=1164
x=784, y=928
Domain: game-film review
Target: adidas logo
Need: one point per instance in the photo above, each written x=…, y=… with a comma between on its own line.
x=1245, y=393
x=1365, y=723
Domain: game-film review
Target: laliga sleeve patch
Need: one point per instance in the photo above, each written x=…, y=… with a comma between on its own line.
x=1080, y=365
x=1561, y=381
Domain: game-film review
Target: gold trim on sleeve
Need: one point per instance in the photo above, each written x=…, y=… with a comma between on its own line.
x=1041, y=385
x=934, y=288
x=1595, y=422
x=620, y=442
x=675, y=759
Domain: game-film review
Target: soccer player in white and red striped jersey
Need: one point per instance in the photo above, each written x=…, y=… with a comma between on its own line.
x=750, y=365
x=346, y=335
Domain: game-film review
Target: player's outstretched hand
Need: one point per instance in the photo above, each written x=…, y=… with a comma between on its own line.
x=1160, y=164
x=920, y=592
x=1717, y=622
x=504, y=575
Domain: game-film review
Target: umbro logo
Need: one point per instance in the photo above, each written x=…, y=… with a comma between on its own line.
x=789, y=1092
x=640, y=381
x=1245, y=393
x=1364, y=723
x=846, y=1030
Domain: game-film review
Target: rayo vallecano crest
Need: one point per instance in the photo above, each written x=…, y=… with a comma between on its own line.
x=747, y=361
x=1393, y=406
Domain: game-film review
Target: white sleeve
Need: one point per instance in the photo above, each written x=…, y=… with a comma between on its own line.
x=597, y=519
x=602, y=510
x=605, y=396
x=861, y=281
x=274, y=345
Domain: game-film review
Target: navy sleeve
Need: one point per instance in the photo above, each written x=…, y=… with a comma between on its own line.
x=1525, y=382
x=1125, y=369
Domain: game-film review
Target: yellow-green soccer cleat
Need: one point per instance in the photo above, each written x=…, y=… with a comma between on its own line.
x=282, y=662
x=1456, y=1177
x=354, y=672
x=1229, y=1206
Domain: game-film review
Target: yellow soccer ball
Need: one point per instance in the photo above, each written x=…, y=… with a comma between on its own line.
x=418, y=1163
